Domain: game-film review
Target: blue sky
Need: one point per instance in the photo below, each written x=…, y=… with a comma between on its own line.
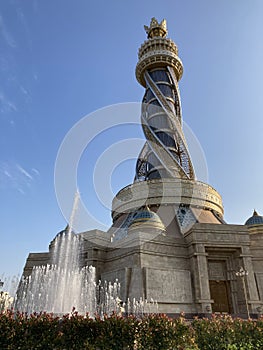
x=62, y=59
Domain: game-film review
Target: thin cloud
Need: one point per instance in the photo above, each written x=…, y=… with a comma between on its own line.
x=14, y=82
x=15, y=176
x=26, y=94
x=23, y=90
x=6, y=34
x=22, y=19
x=6, y=105
x=20, y=190
x=4, y=63
x=7, y=174
x=35, y=171
x=11, y=105
x=24, y=172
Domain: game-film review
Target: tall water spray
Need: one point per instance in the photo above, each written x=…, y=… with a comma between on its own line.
x=62, y=284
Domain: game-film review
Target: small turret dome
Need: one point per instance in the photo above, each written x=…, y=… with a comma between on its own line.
x=147, y=219
x=255, y=219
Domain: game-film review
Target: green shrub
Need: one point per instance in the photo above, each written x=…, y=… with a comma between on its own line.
x=226, y=333
x=152, y=332
x=160, y=332
x=116, y=332
x=20, y=331
x=77, y=332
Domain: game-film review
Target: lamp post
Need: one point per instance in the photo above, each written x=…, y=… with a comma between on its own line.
x=242, y=274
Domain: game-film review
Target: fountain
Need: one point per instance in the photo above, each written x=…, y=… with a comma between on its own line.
x=8, y=287
x=53, y=288
x=64, y=284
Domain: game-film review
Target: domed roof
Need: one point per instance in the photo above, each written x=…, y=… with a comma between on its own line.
x=255, y=219
x=147, y=218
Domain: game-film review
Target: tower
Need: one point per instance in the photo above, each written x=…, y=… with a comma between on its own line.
x=164, y=175
x=189, y=265
x=157, y=263
x=159, y=69
x=168, y=240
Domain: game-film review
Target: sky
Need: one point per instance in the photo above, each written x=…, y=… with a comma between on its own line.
x=63, y=60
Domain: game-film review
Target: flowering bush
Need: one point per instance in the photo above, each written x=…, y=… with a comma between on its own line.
x=152, y=332
x=116, y=332
x=226, y=333
x=160, y=332
x=20, y=331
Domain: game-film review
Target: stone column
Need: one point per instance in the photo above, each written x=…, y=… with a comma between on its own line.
x=254, y=302
x=201, y=279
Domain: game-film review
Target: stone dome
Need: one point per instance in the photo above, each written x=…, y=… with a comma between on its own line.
x=145, y=218
x=255, y=219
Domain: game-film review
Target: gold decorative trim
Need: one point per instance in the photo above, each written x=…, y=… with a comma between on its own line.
x=156, y=29
x=158, y=52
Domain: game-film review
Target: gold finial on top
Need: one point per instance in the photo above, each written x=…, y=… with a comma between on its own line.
x=156, y=29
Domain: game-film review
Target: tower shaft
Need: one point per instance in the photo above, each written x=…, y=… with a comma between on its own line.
x=165, y=153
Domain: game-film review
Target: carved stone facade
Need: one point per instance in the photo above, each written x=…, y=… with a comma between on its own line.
x=193, y=273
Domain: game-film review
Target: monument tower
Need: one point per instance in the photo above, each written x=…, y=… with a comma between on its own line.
x=151, y=215
x=159, y=69
x=168, y=240
x=164, y=169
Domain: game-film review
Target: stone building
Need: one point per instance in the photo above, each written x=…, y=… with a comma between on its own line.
x=169, y=241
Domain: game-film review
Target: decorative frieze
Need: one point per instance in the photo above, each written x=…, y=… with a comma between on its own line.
x=167, y=191
x=168, y=286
